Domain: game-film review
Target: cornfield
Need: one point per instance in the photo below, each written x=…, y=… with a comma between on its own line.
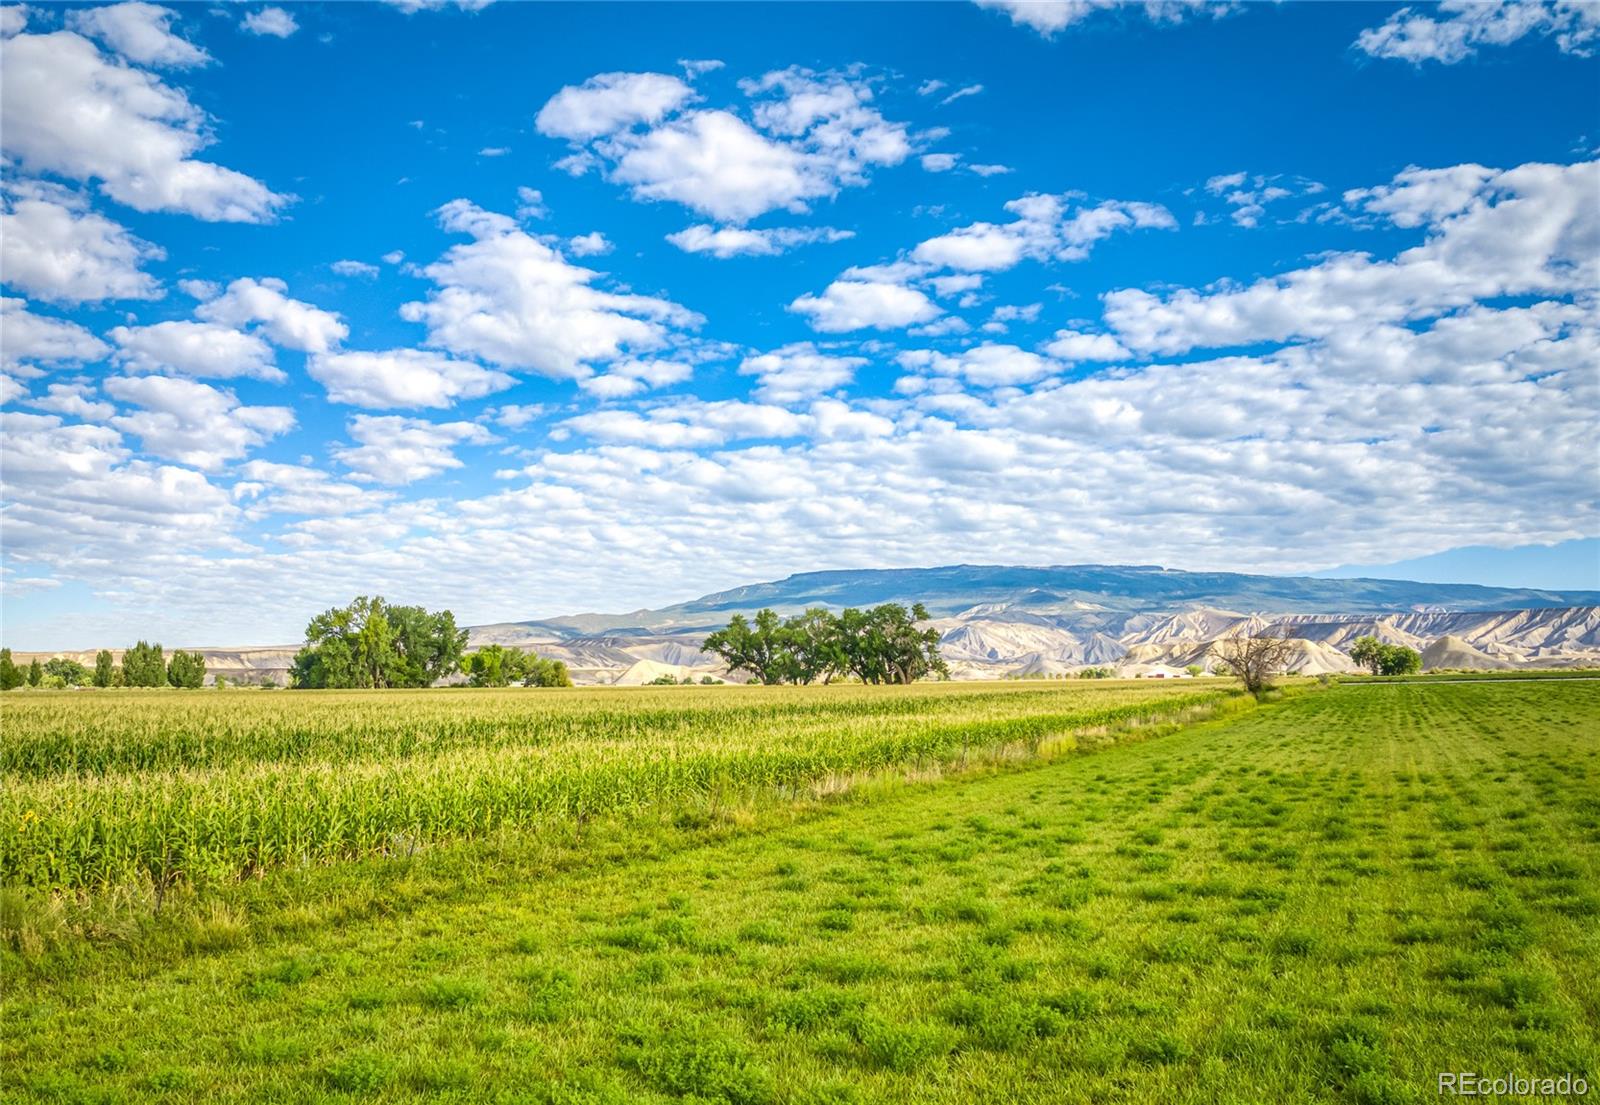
x=105, y=788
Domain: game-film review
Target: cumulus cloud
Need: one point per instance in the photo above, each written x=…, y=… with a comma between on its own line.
x=631, y=377
x=74, y=401
x=987, y=365
x=808, y=135
x=1050, y=17
x=1075, y=345
x=402, y=378
x=611, y=102
x=26, y=338
x=354, y=268
x=288, y=322
x=1046, y=228
x=66, y=109
x=71, y=491
x=1525, y=231
x=733, y=241
x=271, y=488
x=140, y=32
x=1248, y=196
x=514, y=300
x=394, y=450
x=55, y=249
x=270, y=21
x=798, y=371
x=193, y=423
x=1454, y=30
x=194, y=349
x=861, y=304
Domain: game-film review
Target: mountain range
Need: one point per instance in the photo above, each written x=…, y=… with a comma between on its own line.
x=999, y=621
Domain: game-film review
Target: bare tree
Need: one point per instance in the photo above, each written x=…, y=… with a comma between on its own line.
x=1254, y=660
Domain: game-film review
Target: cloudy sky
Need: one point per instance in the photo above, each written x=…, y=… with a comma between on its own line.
x=525, y=309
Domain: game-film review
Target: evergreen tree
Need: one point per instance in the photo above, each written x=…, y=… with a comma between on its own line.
x=35, y=673
x=104, y=668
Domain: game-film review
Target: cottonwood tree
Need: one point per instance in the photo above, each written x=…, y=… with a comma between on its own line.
x=105, y=669
x=187, y=670
x=372, y=644
x=880, y=645
x=11, y=676
x=1384, y=659
x=1254, y=660
x=501, y=666
x=144, y=665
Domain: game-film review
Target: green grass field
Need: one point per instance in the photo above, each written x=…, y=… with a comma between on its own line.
x=1329, y=898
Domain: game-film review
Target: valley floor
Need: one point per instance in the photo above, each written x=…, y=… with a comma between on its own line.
x=1333, y=898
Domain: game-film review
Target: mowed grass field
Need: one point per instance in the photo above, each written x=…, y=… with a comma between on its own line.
x=1328, y=898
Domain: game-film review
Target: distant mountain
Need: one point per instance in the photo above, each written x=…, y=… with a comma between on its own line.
x=1123, y=589
x=997, y=621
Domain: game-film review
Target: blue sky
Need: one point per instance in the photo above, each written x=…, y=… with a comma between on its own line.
x=523, y=309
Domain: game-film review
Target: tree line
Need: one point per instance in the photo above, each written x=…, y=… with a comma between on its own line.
x=879, y=645
x=371, y=643
x=143, y=665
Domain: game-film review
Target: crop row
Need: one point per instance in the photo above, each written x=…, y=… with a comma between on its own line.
x=220, y=822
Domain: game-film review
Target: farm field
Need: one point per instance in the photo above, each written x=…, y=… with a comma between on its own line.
x=1329, y=898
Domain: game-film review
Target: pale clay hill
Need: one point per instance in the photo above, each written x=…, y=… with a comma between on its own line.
x=1020, y=622
x=1006, y=622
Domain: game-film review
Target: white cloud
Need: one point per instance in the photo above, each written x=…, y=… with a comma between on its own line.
x=1046, y=228
x=412, y=7
x=13, y=18
x=140, y=32
x=989, y=170
x=514, y=416
x=395, y=450
x=809, y=135
x=799, y=371
x=635, y=376
x=985, y=365
x=589, y=245
x=1249, y=196
x=511, y=299
x=691, y=424
x=194, y=349
x=1418, y=36
x=858, y=304
x=74, y=401
x=960, y=93
x=270, y=21
x=354, y=268
x=1074, y=345
x=289, y=322
x=610, y=102
x=272, y=488
x=27, y=337
x=494, y=151
x=393, y=257
x=402, y=378
x=715, y=163
x=731, y=241
x=193, y=423
x=940, y=162
x=65, y=109
x=1049, y=17
x=55, y=249
x=530, y=204
x=1530, y=230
